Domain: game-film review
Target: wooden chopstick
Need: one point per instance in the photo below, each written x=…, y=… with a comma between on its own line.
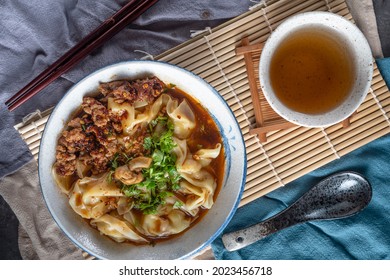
x=100, y=35
x=85, y=41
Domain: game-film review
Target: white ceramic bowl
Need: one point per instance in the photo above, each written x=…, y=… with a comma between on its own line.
x=201, y=234
x=354, y=43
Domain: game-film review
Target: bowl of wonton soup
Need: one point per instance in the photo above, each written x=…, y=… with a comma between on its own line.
x=142, y=160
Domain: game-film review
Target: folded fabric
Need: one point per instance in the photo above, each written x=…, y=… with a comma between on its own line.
x=39, y=237
x=364, y=16
x=384, y=67
x=365, y=235
x=382, y=13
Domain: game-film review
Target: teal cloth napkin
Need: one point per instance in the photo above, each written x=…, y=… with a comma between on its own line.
x=363, y=236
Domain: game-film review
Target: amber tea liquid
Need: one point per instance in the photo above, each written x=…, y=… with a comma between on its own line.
x=311, y=72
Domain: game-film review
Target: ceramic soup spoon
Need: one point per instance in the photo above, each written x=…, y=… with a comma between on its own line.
x=337, y=196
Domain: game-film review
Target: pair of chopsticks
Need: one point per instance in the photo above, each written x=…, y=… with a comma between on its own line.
x=101, y=34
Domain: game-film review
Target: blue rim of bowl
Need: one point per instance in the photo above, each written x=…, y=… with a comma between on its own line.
x=238, y=199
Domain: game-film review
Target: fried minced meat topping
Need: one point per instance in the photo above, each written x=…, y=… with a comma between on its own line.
x=131, y=91
x=91, y=137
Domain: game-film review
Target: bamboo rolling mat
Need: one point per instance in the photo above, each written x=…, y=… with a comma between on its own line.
x=289, y=153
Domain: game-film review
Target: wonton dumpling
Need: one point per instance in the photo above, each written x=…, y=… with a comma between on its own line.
x=205, y=156
x=124, y=205
x=197, y=183
x=81, y=168
x=159, y=103
x=133, y=116
x=183, y=207
x=180, y=150
x=65, y=183
x=178, y=221
x=196, y=196
x=117, y=228
x=190, y=166
x=181, y=114
x=159, y=225
x=184, y=161
x=153, y=225
x=92, y=197
x=183, y=118
x=200, y=188
x=201, y=179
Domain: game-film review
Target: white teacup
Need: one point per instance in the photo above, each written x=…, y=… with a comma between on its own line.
x=352, y=41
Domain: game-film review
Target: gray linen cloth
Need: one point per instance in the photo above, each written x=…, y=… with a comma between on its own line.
x=34, y=33
x=40, y=237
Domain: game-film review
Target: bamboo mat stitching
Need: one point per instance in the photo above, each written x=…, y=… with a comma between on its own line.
x=379, y=105
x=36, y=128
x=195, y=33
x=330, y=143
x=266, y=19
x=269, y=161
x=327, y=5
x=32, y=115
x=261, y=3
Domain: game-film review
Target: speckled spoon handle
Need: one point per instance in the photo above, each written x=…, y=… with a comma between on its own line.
x=337, y=196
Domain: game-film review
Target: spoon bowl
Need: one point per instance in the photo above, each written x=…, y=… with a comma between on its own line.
x=338, y=196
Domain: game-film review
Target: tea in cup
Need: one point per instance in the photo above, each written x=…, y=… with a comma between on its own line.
x=316, y=69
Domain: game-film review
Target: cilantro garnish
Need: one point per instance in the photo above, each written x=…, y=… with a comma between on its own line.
x=177, y=204
x=162, y=177
x=168, y=87
x=148, y=143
